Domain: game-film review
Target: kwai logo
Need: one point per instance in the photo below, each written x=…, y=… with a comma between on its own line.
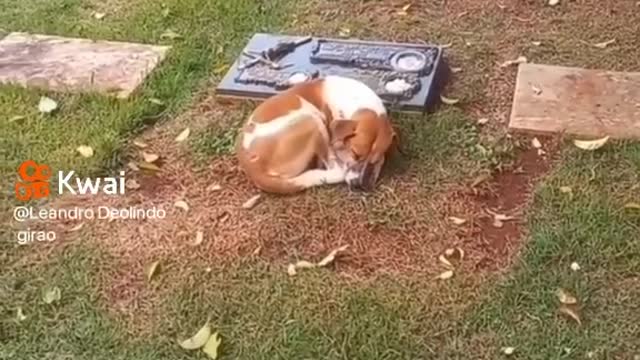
x=35, y=184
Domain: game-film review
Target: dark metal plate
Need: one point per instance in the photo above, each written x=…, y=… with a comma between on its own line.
x=408, y=77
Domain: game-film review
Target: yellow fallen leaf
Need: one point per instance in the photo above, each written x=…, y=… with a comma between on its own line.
x=131, y=165
x=443, y=259
x=140, y=144
x=446, y=275
x=302, y=264
x=148, y=166
x=407, y=7
x=153, y=270
x=131, y=184
x=212, y=345
x=448, y=101
x=149, y=157
x=181, y=204
x=183, y=135
x=632, y=205
x=332, y=255
x=47, y=105
x=76, y=228
x=344, y=32
x=291, y=270
x=17, y=118
x=565, y=297
x=171, y=35
x=604, y=44
x=20, y=315
x=519, y=60
x=99, y=15
x=198, y=340
x=536, y=43
x=565, y=189
x=85, y=151
x=457, y=220
x=156, y=101
x=571, y=313
x=52, y=295
x=591, y=145
x=252, y=202
x=199, y=238
x=508, y=350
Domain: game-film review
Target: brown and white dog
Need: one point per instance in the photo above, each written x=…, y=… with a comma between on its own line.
x=324, y=131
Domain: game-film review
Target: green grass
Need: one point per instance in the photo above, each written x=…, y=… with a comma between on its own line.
x=263, y=313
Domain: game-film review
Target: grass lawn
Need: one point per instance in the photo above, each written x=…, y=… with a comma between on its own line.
x=381, y=300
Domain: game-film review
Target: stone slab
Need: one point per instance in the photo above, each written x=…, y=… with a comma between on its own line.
x=419, y=69
x=76, y=65
x=576, y=101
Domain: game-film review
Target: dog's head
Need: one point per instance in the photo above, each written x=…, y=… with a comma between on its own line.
x=362, y=144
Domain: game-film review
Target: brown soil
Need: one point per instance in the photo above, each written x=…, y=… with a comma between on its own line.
x=399, y=229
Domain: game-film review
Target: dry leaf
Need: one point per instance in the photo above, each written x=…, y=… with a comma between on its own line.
x=448, y=101
x=565, y=297
x=47, y=105
x=575, y=266
x=554, y=2
x=85, y=151
x=446, y=275
x=131, y=184
x=302, y=264
x=52, y=295
x=445, y=261
x=148, y=166
x=199, y=339
x=519, y=60
x=156, y=101
x=20, y=315
x=483, y=121
x=253, y=201
x=571, y=313
x=153, y=269
x=212, y=345
x=591, y=144
x=183, y=135
x=457, y=220
x=291, y=270
x=407, y=7
x=344, y=32
x=456, y=70
x=17, y=118
x=214, y=187
x=604, y=44
x=257, y=250
x=182, y=205
x=536, y=90
x=503, y=217
x=199, y=238
x=497, y=223
x=632, y=205
x=536, y=143
x=508, y=350
x=76, y=228
x=332, y=255
x=139, y=144
x=536, y=43
x=149, y=157
x=99, y=15
x=171, y=35
x=565, y=189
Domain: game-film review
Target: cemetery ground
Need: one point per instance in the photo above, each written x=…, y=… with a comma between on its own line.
x=569, y=216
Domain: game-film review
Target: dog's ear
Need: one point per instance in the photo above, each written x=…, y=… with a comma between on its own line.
x=342, y=130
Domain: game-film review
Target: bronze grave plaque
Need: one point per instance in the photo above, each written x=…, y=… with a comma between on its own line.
x=408, y=77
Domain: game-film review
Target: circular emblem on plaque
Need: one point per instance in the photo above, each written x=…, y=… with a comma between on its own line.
x=408, y=61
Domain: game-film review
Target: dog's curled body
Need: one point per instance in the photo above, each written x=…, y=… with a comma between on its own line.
x=286, y=144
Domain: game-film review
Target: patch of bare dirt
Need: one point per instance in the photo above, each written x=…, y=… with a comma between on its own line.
x=402, y=228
